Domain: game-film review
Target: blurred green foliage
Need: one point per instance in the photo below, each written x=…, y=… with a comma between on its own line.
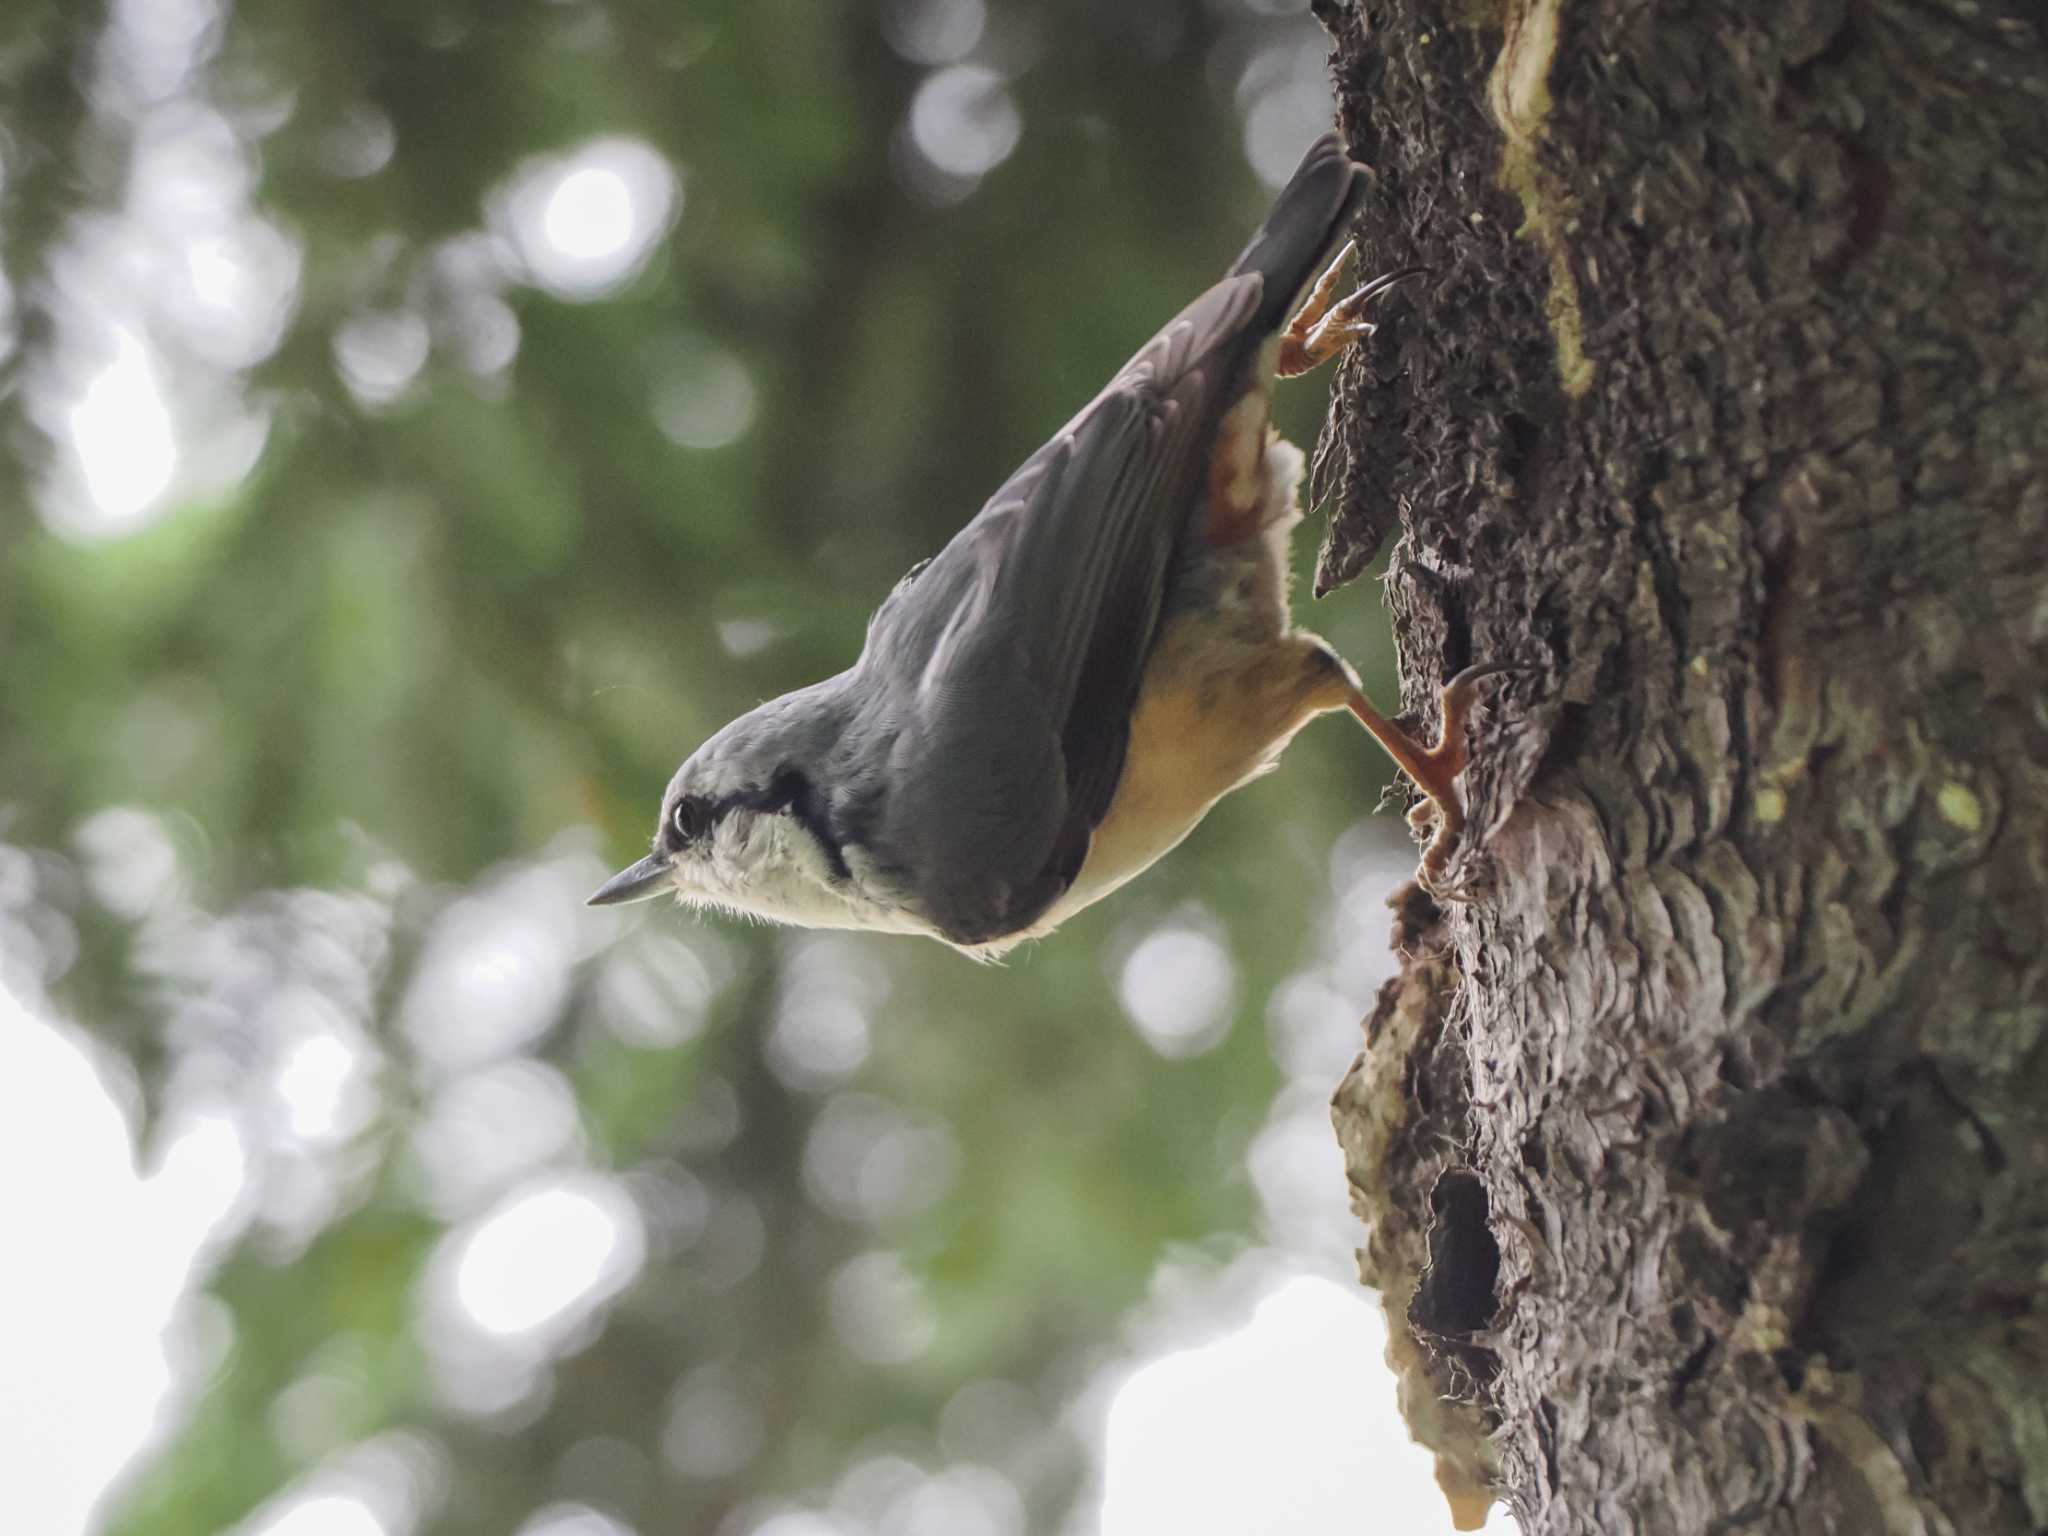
x=436, y=649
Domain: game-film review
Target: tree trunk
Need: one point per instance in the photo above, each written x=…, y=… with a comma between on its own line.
x=1704, y=1135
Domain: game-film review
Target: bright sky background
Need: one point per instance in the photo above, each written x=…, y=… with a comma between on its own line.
x=99, y=1260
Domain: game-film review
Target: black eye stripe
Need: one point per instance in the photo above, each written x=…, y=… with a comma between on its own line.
x=693, y=817
x=793, y=791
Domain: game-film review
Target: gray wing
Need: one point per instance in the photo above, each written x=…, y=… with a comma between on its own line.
x=1004, y=675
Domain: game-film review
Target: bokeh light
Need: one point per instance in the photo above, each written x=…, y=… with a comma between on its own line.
x=963, y=121
x=933, y=31
x=497, y=965
x=705, y=398
x=584, y=223
x=122, y=436
x=546, y=1257
x=880, y=1309
x=488, y=1126
x=1178, y=986
x=379, y=355
x=573, y=1520
x=867, y=1161
x=322, y=1078
x=331, y=1514
x=715, y=1421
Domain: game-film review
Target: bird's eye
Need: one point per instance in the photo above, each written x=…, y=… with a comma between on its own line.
x=690, y=819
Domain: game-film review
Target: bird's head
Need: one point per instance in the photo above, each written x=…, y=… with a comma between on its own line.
x=754, y=823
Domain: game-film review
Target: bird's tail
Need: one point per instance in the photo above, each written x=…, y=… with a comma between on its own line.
x=1309, y=218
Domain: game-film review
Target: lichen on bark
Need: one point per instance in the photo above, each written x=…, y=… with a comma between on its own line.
x=1732, y=1041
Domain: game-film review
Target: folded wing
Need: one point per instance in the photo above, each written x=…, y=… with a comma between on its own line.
x=1011, y=664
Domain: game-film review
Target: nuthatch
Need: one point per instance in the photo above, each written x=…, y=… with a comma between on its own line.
x=1054, y=700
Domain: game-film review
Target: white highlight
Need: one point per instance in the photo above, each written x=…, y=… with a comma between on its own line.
x=102, y=1259
x=547, y=1257
x=1287, y=1427
x=589, y=216
x=122, y=436
x=315, y=1084
x=572, y=1520
x=151, y=49
x=585, y=223
x=331, y=1514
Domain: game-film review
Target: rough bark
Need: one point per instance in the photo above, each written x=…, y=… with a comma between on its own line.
x=1704, y=1134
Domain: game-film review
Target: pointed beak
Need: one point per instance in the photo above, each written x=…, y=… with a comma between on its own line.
x=636, y=882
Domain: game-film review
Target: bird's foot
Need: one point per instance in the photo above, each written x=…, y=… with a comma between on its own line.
x=1435, y=768
x=1321, y=329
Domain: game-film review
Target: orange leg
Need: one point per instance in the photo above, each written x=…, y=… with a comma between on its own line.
x=1434, y=769
x=1320, y=330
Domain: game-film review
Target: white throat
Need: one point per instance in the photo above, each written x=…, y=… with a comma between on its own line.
x=768, y=866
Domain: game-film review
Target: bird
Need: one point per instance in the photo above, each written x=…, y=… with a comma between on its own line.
x=1050, y=704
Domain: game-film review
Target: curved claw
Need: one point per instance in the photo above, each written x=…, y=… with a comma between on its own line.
x=1319, y=329
x=1383, y=282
